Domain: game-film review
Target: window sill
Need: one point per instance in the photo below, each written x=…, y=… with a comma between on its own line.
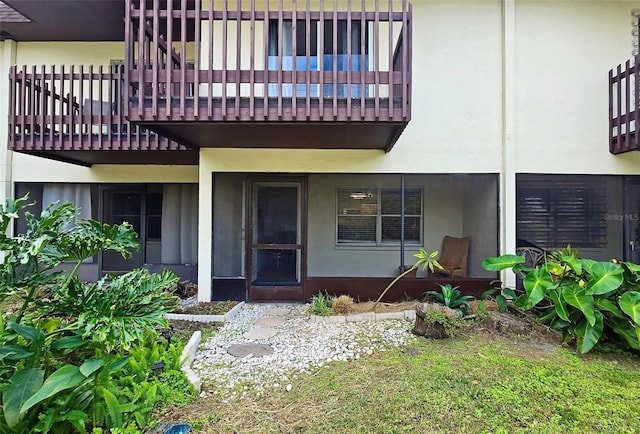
x=377, y=247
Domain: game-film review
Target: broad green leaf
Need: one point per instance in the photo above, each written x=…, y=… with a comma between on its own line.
x=559, y=304
x=68, y=342
x=559, y=324
x=627, y=331
x=502, y=303
x=14, y=352
x=27, y=332
x=549, y=315
x=606, y=277
x=119, y=364
x=573, y=263
x=22, y=386
x=64, y=378
x=536, y=284
x=630, y=304
x=115, y=414
x=589, y=334
x=587, y=264
x=502, y=262
x=576, y=297
x=608, y=306
x=634, y=268
x=90, y=366
x=509, y=292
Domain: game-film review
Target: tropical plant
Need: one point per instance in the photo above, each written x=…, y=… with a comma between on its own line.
x=500, y=295
x=67, y=339
x=321, y=304
x=424, y=259
x=451, y=297
x=589, y=301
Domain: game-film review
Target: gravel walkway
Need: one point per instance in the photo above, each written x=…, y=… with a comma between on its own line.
x=298, y=347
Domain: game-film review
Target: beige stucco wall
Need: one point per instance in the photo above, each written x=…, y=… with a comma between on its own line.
x=564, y=50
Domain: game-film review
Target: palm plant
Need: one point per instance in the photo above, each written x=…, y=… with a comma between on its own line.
x=451, y=297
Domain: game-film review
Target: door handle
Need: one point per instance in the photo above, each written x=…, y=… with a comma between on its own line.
x=632, y=244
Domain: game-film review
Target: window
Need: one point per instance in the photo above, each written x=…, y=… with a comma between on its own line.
x=552, y=213
x=373, y=215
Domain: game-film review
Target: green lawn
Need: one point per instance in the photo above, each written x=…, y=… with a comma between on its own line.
x=478, y=382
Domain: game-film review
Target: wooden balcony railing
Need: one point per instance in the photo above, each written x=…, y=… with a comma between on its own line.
x=624, y=116
x=259, y=61
x=68, y=114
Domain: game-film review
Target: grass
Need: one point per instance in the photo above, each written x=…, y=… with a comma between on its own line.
x=478, y=382
x=209, y=308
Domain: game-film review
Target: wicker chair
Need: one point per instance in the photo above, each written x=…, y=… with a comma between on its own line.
x=455, y=252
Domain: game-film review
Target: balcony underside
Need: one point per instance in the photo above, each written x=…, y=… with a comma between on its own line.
x=306, y=126
x=87, y=150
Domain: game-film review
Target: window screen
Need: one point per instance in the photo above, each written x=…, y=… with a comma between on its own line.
x=553, y=214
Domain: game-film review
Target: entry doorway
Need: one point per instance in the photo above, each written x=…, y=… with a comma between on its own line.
x=275, y=253
x=632, y=220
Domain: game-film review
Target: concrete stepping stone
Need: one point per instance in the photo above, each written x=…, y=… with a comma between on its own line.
x=260, y=333
x=269, y=321
x=276, y=311
x=243, y=350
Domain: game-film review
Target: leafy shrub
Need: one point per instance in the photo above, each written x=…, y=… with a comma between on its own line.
x=451, y=297
x=62, y=348
x=321, y=304
x=589, y=301
x=342, y=304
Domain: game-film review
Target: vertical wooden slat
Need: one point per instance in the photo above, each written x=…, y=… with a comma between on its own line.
x=238, y=57
x=156, y=59
x=106, y=117
x=335, y=59
x=32, y=104
x=82, y=123
x=294, y=59
x=391, y=50
x=363, y=59
x=636, y=142
x=196, y=65
x=71, y=101
x=120, y=104
x=307, y=19
x=376, y=58
x=349, y=43
x=141, y=38
x=225, y=9
x=407, y=34
x=23, y=104
x=183, y=57
x=627, y=103
x=91, y=113
x=619, y=106
x=169, y=62
x=611, y=137
x=321, y=63
x=128, y=51
x=12, y=107
x=62, y=111
x=43, y=107
x=210, y=64
x=280, y=54
x=252, y=60
x=52, y=106
x=265, y=42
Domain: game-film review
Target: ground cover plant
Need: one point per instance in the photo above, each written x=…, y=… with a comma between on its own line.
x=74, y=356
x=590, y=302
x=479, y=381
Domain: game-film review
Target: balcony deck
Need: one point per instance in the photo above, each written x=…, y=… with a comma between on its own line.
x=347, y=86
x=624, y=115
x=76, y=116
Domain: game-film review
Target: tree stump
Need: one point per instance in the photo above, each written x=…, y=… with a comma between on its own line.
x=428, y=328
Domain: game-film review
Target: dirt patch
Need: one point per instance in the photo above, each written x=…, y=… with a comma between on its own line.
x=367, y=306
x=209, y=308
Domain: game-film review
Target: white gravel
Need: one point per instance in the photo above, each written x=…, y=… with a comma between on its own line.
x=299, y=347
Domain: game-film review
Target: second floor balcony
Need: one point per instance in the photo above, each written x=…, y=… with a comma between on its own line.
x=257, y=73
x=624, y=114
x=76, y=115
